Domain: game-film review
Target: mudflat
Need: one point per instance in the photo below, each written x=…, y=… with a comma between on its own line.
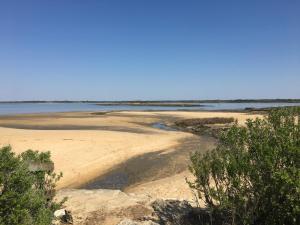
x=121, y=150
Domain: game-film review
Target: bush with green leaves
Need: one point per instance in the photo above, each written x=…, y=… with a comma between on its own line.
x=253, y=175
x=26, y=195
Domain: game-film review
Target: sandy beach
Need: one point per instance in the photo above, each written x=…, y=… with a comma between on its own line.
x=91, y=147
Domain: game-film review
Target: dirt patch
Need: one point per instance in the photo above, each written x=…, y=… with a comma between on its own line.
x=99, y=113
x=136, y=212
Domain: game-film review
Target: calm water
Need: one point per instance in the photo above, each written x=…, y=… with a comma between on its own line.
x=21, y=108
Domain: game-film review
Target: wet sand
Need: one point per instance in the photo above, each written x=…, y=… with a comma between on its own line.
x=119, y=149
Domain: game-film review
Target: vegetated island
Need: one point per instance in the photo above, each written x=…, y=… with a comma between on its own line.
x=164, y=104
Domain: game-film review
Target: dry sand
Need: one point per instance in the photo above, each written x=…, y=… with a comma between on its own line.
x=105, y=207
x=85, y=146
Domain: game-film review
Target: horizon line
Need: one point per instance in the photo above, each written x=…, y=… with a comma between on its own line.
x=265, y=100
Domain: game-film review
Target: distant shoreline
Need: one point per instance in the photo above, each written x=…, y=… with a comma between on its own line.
x=168, y=102
x=12, y=108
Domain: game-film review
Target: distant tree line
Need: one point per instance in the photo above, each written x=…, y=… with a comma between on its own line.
x=171, y=101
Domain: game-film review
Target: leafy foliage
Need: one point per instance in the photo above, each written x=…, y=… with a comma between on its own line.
x=26, y=197
x=253, y=176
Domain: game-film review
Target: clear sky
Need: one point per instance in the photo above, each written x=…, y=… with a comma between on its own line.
x=149, y=50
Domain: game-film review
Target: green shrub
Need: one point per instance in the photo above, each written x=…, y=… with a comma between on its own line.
x=26, y=196
x=253, y=176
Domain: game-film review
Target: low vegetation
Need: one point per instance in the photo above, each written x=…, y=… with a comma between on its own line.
x=205, y=126
x=253, y=176
x=27, y=188
x=204, y=121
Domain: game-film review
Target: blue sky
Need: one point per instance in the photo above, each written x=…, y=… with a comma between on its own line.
x=155, y=49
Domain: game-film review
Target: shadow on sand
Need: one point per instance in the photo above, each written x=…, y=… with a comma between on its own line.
x=151, y=166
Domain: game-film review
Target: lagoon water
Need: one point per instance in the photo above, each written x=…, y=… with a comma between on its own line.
x=25, y=108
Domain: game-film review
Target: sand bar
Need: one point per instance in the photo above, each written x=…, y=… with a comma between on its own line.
x=85, y=145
